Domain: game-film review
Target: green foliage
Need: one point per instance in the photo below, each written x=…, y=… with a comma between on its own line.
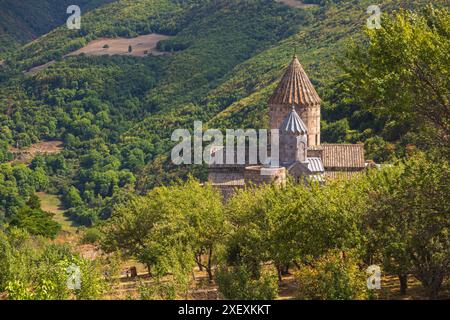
x=72, y=198
x=34, y=202
x=36, y=222
x=168, y=227
x=237, y=283
x=407, y=219
x=115, y=116
x=32, y=268
x=160, y=291
x=5, y=155
x=83, y=215
x=17, y=184
x=92, y=235
x=332, y=277
x=294, y=223
x=174, y=286
x=401, y=71
x=335, y=132
x=24, y=21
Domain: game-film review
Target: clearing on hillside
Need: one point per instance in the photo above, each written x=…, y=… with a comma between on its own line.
x=52, y=203
x=44, y=147
x=141, y=46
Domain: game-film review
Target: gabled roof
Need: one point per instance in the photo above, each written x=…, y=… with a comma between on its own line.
x=343, y=156
x=295, y=87
x=293, y=123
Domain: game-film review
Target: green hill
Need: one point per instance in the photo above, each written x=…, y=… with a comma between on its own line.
x=25, y=20
x=116, y=114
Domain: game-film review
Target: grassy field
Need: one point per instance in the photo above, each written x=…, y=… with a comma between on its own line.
x=52, y=203
x=141, y=46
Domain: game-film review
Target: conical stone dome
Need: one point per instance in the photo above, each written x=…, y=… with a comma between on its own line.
x=295, y=87
x=293, y=124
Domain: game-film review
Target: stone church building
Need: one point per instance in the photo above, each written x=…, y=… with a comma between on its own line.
x=294, y=109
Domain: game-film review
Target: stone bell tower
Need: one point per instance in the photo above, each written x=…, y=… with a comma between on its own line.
x=295, y=89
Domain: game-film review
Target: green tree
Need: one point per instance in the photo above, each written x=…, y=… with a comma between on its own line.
x=407, y=219
x=332, y=277
x=34, y=202
x=402, y=70
x=72, y=198
x=186, y=216
x=36, y=222
x=293, y=224
x=238, y=283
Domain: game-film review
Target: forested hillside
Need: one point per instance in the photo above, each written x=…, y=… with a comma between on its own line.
x=115, y=114
x=219, y=62
x=25, y=20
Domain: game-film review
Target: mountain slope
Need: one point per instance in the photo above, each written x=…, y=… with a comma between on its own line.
x=22, y=21
x=116, y=114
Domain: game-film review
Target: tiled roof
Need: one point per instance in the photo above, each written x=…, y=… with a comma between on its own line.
x=293, y=123
x=344, y=156
x=295, y=87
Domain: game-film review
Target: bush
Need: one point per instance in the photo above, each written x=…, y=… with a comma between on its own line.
x=83, y=215
x=237, y=283
x=332, y=277
x=34, y=268
x=36, y=222
x=72, y=198
x=91, y=235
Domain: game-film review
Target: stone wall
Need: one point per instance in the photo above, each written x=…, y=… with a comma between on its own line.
x=257, y=175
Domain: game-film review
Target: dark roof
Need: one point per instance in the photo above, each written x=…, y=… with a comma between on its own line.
x=344, y=156
x=295, y=87
x=293, y=123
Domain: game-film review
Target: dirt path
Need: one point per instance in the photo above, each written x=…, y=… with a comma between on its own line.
x=35, y=70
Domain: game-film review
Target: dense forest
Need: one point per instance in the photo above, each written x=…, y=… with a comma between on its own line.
x=385, y=88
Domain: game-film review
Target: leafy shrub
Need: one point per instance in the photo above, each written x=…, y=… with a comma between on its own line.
x=36, y=222
x=83, y=215
x=33, y=268
x=237, y=283
x=332, y=277
x=72, y=198
x=91, y=235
